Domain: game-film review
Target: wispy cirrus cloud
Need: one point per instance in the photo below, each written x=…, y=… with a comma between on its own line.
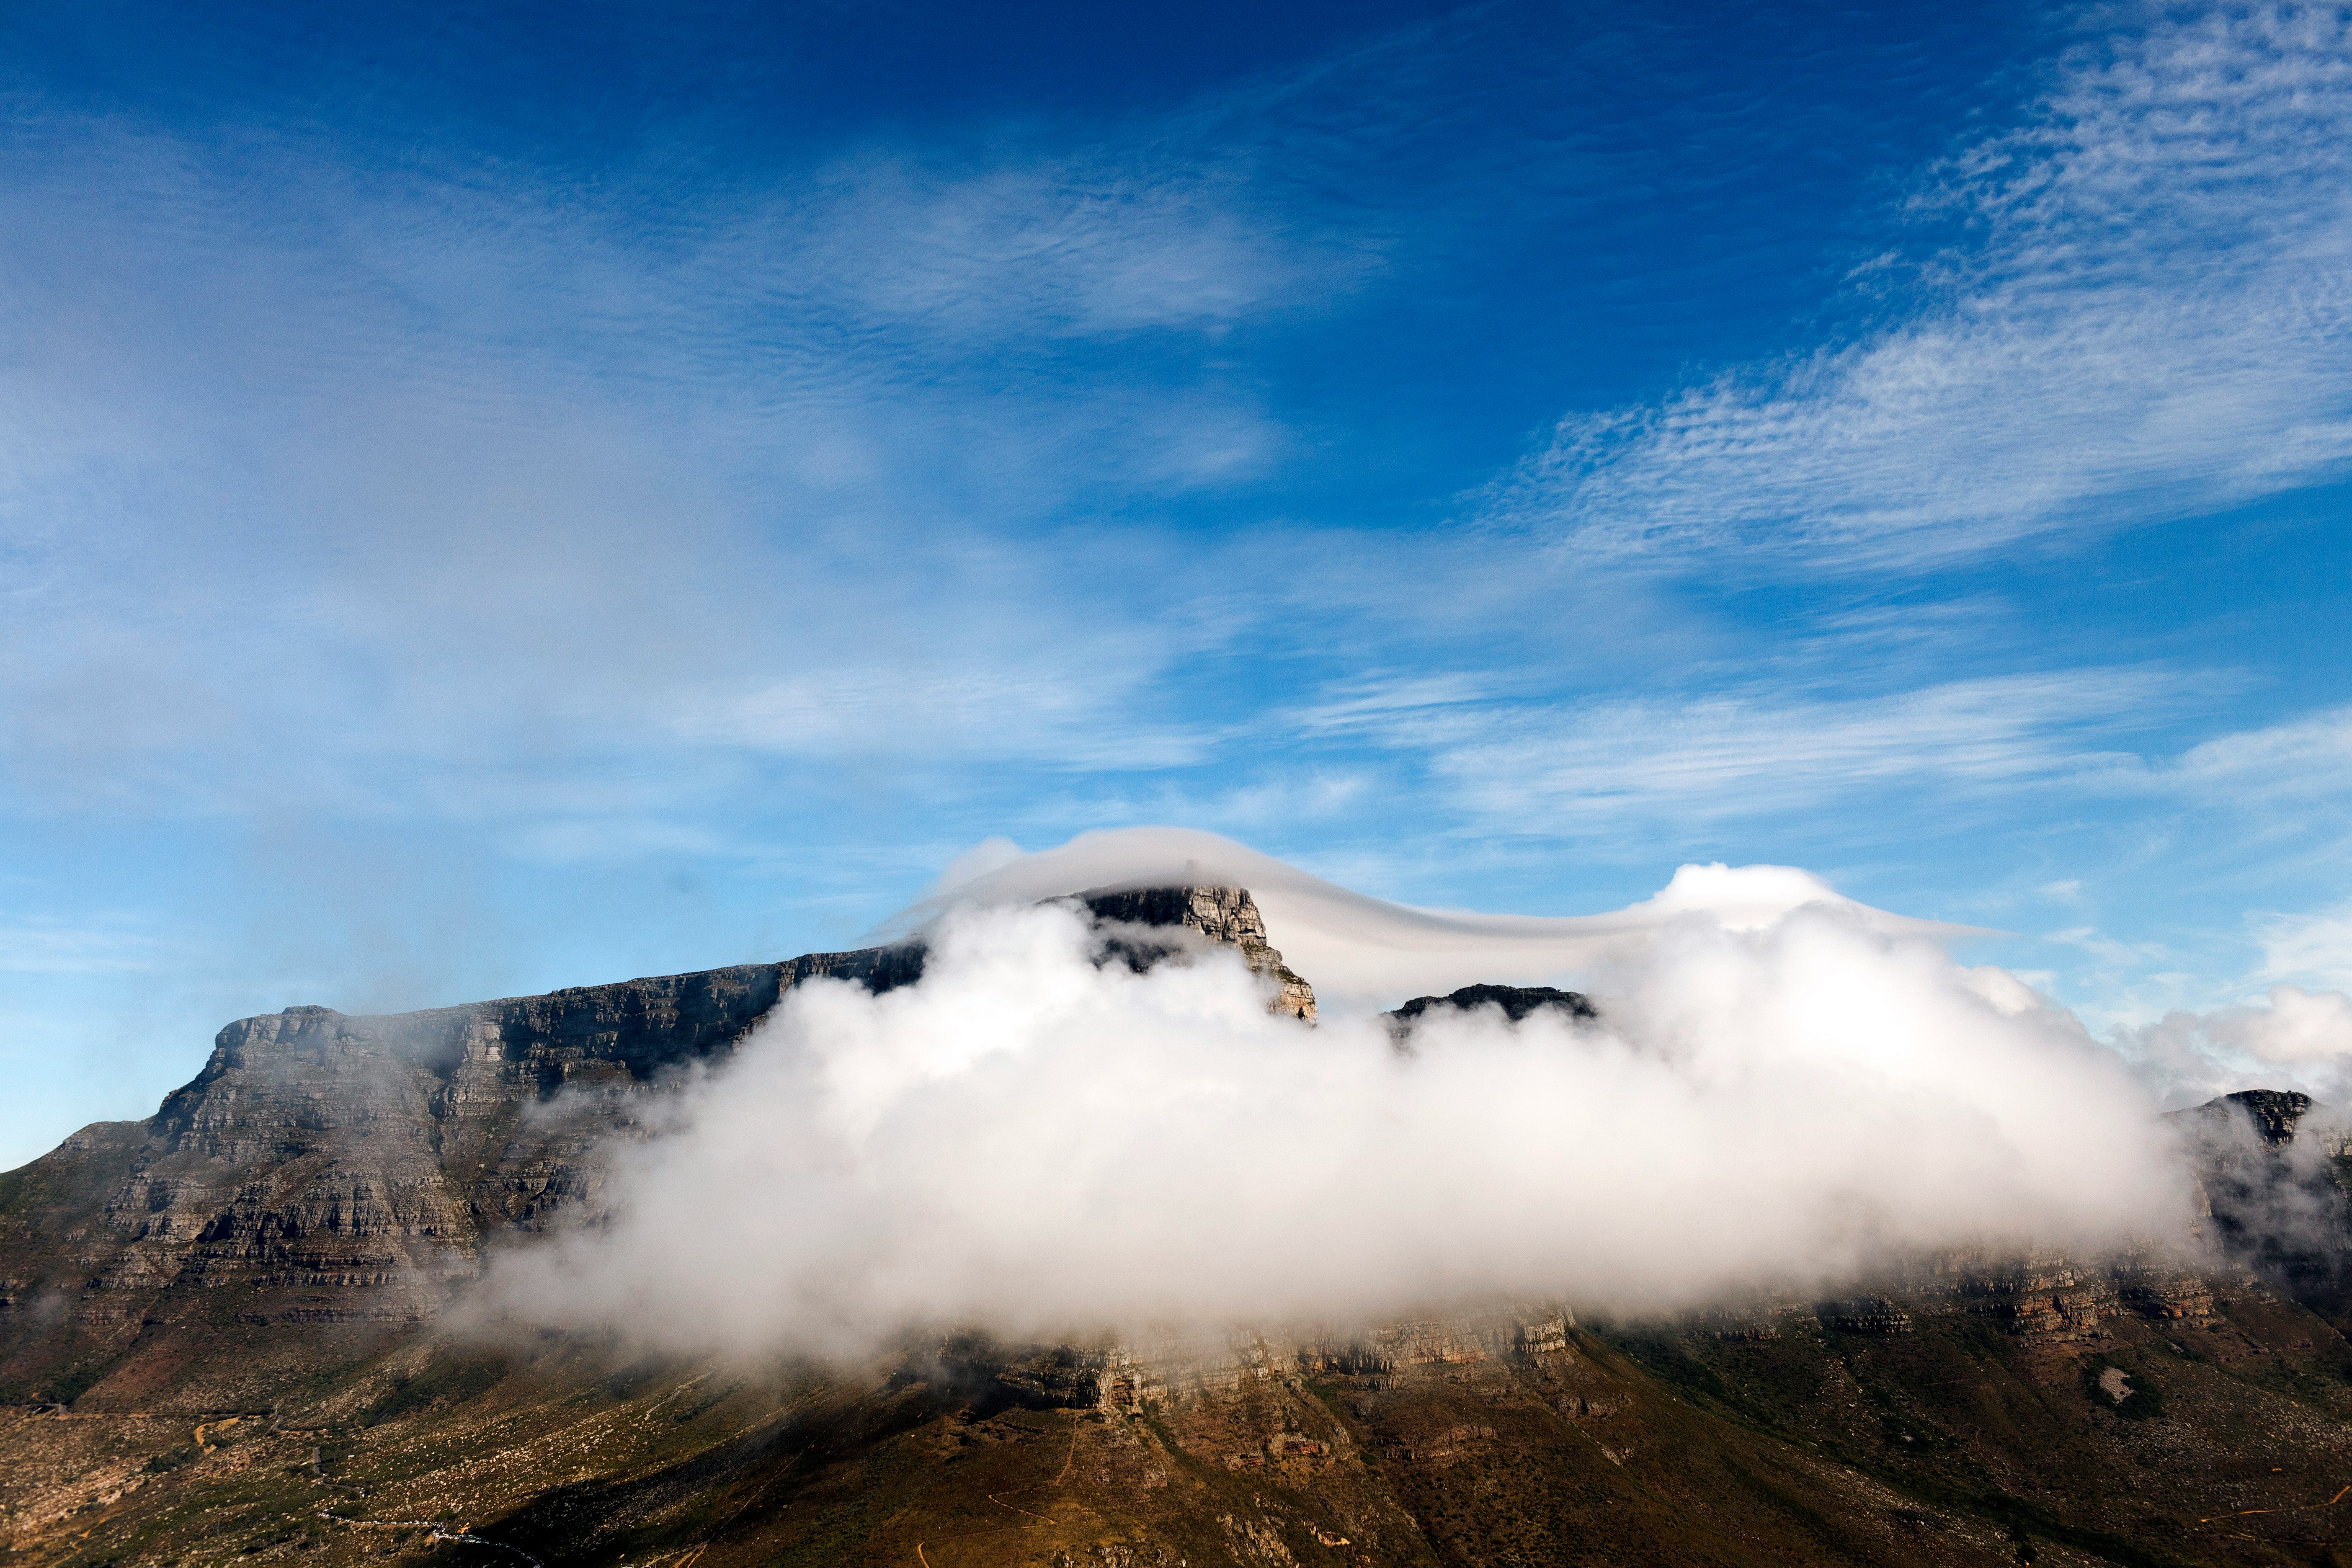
x=1702, y=760
x=2305, y=757
x=1516, y=761
x=43, y=946
x=2315, y=946
x=1058, y=247
x=571, y=495
x=2133, y=303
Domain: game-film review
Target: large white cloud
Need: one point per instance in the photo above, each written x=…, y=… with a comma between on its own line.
x=1030, y=1141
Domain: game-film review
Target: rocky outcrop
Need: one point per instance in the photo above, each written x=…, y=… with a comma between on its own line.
x=2275, y=1182
x=1864, y=1315
x=1472, y=1334
x=1174, y=1367
x=1224, y=916
x=2271, y=1115
x=1516, y=1002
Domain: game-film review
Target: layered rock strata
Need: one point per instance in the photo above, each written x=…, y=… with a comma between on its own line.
x=328, y=1178
x=1176, y=1366
x=1223, y=916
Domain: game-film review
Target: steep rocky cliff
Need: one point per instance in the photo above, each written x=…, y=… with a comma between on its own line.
x=2275, y=1172
x=1226, y=916
x=327, y=1179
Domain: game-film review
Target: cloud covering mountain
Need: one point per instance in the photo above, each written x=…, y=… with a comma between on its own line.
x=1782, y=1091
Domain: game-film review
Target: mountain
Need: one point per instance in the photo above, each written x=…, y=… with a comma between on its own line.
x=220, y=1341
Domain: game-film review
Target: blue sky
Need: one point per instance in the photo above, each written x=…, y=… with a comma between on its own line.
x=498, y=505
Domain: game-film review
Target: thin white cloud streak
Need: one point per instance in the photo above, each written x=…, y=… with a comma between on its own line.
x=1593, y=766
x=56, y=947
x=1366, y=952
x=950, y=714
x=2315, y=946
x=1057, y=248
x=2306, y=757
x=2146, y=315
x=1032, y=1143
x=1709, y=760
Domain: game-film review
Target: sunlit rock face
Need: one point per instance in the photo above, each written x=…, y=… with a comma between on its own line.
x=1228, y=916
x=329, y=1178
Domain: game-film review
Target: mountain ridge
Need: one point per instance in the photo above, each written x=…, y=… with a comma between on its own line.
x=219, y=1341
x=339, y=1173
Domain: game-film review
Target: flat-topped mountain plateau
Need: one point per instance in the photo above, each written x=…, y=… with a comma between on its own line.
x=228, y=1333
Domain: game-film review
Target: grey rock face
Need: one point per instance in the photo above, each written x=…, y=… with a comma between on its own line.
x=328, y=1178
x=1228, y=916
x=2274, y=1176
x=2272, y=1115
x=1518, y=1002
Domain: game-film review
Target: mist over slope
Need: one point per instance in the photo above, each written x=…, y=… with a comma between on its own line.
x=1783, y=1088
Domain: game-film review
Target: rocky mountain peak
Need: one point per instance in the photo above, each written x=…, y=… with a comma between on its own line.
x=2274, y=1113
x=1227, y=916
x=1515, y=1001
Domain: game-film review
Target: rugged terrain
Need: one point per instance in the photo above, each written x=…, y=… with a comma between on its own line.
x=218, y=1342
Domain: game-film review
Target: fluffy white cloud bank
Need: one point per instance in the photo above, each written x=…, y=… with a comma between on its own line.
x=2298, y=1039
x=1034, y=1141
x=2144, y=303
